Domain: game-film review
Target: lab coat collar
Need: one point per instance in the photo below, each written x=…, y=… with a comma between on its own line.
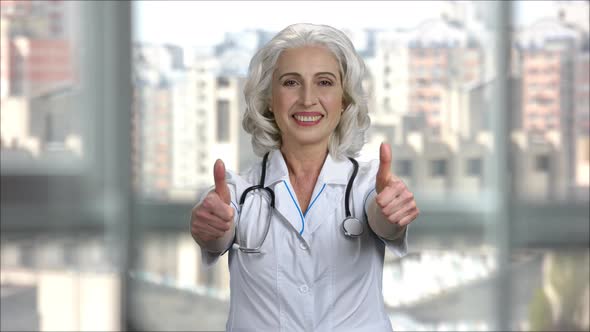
x=333, y=171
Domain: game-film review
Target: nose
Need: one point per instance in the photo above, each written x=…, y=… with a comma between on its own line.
x=309, y=96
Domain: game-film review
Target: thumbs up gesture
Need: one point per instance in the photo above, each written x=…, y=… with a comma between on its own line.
x=213, y=217
x=394, y=199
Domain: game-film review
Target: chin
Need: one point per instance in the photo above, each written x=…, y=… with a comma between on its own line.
x=311, y=141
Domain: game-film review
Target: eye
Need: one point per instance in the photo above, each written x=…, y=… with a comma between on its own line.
x=325, y=83
x=289, y=83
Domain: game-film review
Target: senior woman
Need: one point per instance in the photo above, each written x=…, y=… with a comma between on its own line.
x=307, y=242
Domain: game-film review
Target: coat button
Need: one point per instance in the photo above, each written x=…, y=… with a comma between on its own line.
x=303, y=246
x=303, y=289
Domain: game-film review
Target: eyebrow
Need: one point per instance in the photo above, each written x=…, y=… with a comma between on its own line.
x=316, y=74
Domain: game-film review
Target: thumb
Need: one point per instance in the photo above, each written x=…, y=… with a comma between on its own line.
x=221, y=187
x=384, y=172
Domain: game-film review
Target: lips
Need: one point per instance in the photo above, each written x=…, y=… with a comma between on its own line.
x=307, y=118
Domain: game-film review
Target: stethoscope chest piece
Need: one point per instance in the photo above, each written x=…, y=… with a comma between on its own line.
x=352, y=227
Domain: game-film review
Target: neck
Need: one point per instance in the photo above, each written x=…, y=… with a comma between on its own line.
x=304, y=162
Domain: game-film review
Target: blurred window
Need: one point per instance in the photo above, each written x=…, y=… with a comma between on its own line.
x=474, y=166
x=222, y=82
x=438, y=168
x=223, y=121
x=542, y=163
x=65, y=119
x=404, y=168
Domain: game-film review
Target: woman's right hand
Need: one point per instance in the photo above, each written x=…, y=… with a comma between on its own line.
x=213, y=217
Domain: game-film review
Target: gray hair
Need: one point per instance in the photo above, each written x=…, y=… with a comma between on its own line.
x=349, y=136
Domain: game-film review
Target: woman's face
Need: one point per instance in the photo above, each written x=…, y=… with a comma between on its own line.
x=307, y=96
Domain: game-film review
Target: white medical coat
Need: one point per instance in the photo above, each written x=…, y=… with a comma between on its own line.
x=310, y=276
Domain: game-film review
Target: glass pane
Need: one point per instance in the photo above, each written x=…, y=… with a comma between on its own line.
x=429, y=94
x=549, y=142
x=40, y=84
x=61, y=258
x=431, y=87
x=551, y=124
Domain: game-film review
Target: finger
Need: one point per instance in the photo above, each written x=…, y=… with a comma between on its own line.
x=221, y=187
x=398, y=215
x=207, y=217
x=213, y=204
x=206, y=230
x=203, y=226
x=390, y=193
x=224, y=213
x=409, y=218
x=398, y=203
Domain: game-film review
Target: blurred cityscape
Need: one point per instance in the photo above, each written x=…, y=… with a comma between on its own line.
x=429, y=91
x=430, y=94
x=38, y=72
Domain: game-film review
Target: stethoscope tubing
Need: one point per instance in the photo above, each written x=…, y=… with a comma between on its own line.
x=348, y=223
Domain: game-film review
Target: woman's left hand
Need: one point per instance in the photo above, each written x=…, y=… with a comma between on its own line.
x=394, y=198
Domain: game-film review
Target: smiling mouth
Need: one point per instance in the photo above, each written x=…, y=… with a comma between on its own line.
x=307, y=118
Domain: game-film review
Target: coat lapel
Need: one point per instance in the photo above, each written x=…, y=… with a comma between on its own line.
x=324, y=201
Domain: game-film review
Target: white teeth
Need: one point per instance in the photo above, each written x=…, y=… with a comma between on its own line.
x=307, y=118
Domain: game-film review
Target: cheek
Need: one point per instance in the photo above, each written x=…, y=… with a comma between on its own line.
x=282, y=101
x=333, y=102
x=334, y=98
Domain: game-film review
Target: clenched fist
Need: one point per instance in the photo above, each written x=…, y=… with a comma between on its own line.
x=213, y=217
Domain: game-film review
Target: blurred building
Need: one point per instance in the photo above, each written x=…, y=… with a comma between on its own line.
x=154, y=76
x=552, y=56
x=436, y=169
x=430, y=92
x=185, y=118
x=421, y=71
x=175, y=260
x=540, y=172
x=37, y=66
x=547, y=53
x=430, y=89
x=36, y=47
x=192, y=133
x=15, y=119
x=38, y=71
x=236, y=50
x=574, y=13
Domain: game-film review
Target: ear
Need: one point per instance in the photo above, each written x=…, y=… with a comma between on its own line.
x=269, y=103
x=345, y=104
x=346, y=100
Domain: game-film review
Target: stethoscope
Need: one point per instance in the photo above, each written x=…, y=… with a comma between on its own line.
x=351, y=226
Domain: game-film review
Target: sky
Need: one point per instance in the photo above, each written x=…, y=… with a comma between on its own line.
x=203, y=23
